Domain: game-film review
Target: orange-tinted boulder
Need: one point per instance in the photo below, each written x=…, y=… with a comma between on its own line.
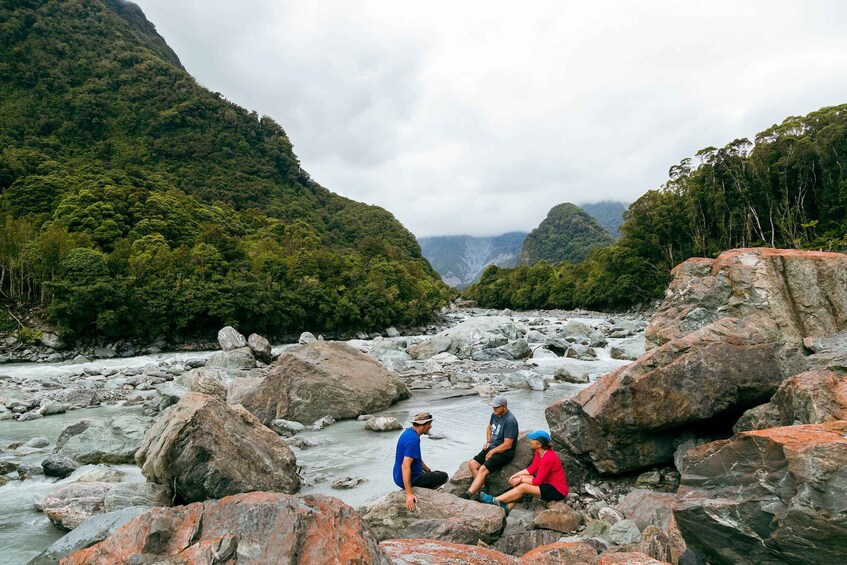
x=729, y=331
x=562, y=552
x=628, y=558
x=253, y=528
x=433, y=552
x=767, y=496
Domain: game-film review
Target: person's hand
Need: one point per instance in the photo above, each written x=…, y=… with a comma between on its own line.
x=411, y=502
x=485, y=445
x=514, y=480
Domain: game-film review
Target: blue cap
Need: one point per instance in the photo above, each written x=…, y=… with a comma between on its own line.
x=539, y=434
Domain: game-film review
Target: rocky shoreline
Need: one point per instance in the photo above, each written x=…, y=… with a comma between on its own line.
x=723, y=441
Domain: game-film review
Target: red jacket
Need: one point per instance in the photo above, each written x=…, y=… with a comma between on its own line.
x=548, y=469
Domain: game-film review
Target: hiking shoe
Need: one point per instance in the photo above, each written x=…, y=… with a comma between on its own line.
x=466, y=495
x=486, y=498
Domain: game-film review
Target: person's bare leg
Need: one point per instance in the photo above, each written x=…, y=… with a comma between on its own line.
x=474, y=467
x=514, y=495
x=479, y=479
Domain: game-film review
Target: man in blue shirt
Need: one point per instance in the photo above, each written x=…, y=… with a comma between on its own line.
x=498, y=450
x=409, y=468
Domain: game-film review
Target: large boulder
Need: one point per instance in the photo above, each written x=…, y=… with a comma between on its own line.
x=473, y=335
x=232, y=359
x=438, y=516
x=229, y=338
x=729, y=331
x=767, y=496
x=812, y=397
x=648, y=507
x=253, y=528
x=206, y=449
x=434, y=552
x=111, y=441
x=320, y=379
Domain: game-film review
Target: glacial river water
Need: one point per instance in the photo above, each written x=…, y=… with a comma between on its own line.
x=346, y=449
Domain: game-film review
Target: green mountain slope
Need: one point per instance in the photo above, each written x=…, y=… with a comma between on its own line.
x=135, y=202
x=568, y=233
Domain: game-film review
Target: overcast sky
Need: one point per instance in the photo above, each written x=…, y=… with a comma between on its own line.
x=478, y=117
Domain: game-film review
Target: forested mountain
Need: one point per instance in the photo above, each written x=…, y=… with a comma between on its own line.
x=568, y=233
x=787, y=188
x=460, y=259
x=135, y=202
x=608, y=213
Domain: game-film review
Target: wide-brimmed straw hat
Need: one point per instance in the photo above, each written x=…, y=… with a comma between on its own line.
x=422, y=418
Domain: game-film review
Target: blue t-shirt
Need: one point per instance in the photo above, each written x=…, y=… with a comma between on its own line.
x=502, y=427
x=409, y=445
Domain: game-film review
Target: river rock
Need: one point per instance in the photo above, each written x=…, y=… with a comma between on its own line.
x=206, y=380
x=558, y=516
x=438, y=516
x=571, y=375
x=520, y=543
x=537, y=382
x=39, y=442
x=93, y=530
x=434, y=552
x=67, y=506
x=287, y=428
x=560, y=552
x=52, y=407
x=647, y=507
x=127, y=495
x=518, y=349
x=207, y=449
x=383, y=424
x=59, y=466
x=252, y=528
x=767, y=496
x=232, y=359
x=306, y=338
x=666, y=546
x=472, y=335
x=51, y=340
x=111, y=441
x=229, y=338
x=625, y=532
x=628, y=349
x=261, y=347
x=760, y=417
x=324, y=378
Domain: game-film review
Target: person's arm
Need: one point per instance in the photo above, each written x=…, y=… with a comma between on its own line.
x=406, y=470
x=505, y=446
x=533, y=467
x=487, y=436
x=426, y=468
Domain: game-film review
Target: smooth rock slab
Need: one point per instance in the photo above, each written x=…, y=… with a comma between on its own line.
x=561, y=552
x=254, y=528
x=434, y=552
x=383, y=424
x=204, y=449
x=767, y=496
x=439, y=516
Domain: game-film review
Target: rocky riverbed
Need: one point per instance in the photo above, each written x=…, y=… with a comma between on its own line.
x=713, y=434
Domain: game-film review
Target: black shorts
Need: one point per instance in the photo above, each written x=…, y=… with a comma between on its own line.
x=495, y=462
x=549, y=493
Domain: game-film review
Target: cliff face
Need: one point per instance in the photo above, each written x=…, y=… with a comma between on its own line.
x=461, y=259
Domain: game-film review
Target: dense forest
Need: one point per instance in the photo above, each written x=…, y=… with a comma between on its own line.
x=134, y=202
x=787, y=188
x=568, y=233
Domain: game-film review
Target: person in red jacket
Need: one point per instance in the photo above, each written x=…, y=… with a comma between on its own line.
x=544, y=478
